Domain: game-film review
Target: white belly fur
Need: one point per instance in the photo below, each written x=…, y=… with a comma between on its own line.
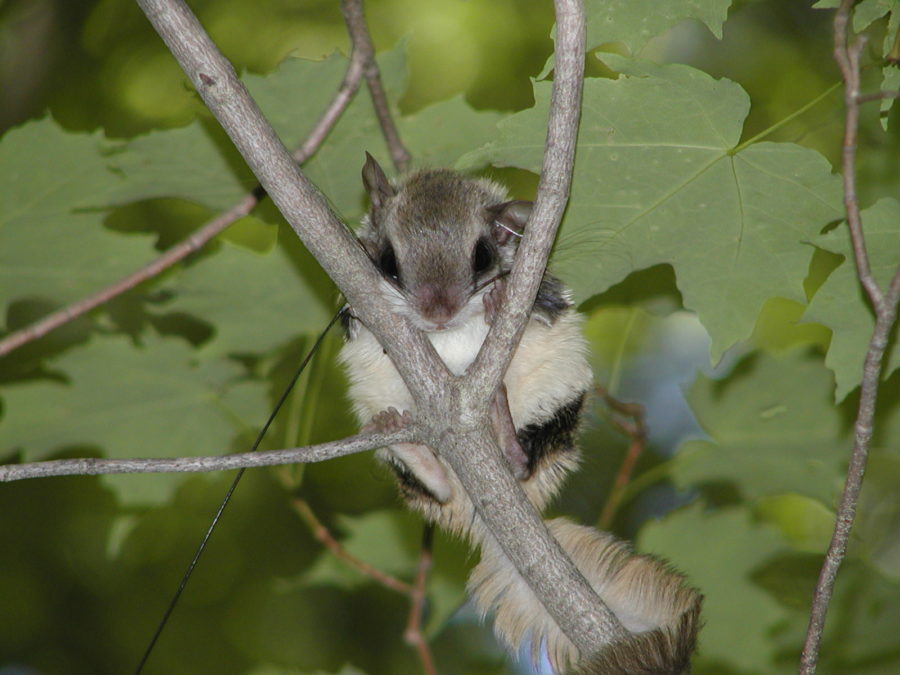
x=549, y=368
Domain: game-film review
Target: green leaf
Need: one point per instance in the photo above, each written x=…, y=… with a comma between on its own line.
x=867, y=11
x=199, y=163
x=805, y=522
x=149, y=401
x=253, y=302
x=719, y=551
x=194, y=162
x=55, y=188
x=272, y=669
x=876, y=533
x=635, y=22
x=441, y=134
x=772, y=427
x=435, y=136
x=861, y=632
x=659, y=178
x=840, y=303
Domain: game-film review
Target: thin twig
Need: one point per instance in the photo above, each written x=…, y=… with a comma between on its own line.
x=416, y=592
x=885, y=306
x=848, y=61
x=89, y=466
x=199, y=238
x=359, y=34
x=474, y=456
x=413, y=634
x=636, y=430
x=323, y=536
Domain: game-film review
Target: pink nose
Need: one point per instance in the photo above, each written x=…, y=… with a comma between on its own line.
x=436, y=305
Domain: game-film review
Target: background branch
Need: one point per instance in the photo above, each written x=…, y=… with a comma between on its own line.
x=324, y=537
x=413, y=633
x=362, y=41
x=361, y=59
x=885, y=306
x=636, y=430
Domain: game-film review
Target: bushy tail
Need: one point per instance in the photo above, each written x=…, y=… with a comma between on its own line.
x=651, y=601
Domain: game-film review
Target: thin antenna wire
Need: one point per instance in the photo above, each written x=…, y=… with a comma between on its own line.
x=234, y=483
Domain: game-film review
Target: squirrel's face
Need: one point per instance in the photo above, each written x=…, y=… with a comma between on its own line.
x=433, y=241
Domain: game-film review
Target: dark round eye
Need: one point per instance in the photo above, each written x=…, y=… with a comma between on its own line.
x=388, y=263
x=482, y=257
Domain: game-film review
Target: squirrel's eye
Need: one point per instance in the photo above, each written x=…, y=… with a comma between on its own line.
x=388, y=263
x=482, y=257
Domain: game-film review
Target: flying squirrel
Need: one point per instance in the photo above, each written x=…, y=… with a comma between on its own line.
x=444, y=243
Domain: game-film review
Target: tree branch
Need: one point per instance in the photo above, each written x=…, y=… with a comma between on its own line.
x=885, y=306
x=636, y=430
x=90, y=466
x=550, y=203
x=324, y=537
x=362, y=41
x=878, y=96
x=305, y=209
x=360, y=56
x=413, y=633
x=453, y=411
x=473, y=455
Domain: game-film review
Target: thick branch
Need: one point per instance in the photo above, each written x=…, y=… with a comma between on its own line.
x=885, y=306
x=475, y=457
x=552, y=197
x=299, y=201
x=314, y=453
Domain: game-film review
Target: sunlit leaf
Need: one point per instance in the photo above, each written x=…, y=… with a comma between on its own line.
x=55, y=191
x=659, y=179
x=635, y=22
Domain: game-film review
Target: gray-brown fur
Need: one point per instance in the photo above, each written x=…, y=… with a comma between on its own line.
x=432, y=224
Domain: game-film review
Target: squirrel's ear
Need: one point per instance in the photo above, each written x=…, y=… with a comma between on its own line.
x=509, y=219
x=376, y=183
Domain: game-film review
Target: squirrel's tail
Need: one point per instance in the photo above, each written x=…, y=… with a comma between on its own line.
x=651, y=601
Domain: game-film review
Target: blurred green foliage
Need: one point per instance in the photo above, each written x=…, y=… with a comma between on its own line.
x=738, y=485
